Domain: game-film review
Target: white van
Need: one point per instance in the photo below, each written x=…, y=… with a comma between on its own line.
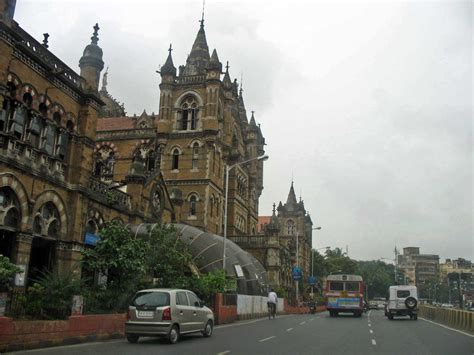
x=403, y=301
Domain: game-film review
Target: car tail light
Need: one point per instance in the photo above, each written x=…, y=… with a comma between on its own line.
x=166, y=314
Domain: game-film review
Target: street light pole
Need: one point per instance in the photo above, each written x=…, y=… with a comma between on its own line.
x=297, y=265
x=227, y=169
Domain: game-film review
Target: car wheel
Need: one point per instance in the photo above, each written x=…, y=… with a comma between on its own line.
x=207, y=332
x=411, y=302
x=415, y=317
x=390, y=317
x=132, y=338
x=173, y=335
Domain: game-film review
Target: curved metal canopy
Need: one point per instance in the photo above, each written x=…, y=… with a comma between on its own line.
x=207, y=252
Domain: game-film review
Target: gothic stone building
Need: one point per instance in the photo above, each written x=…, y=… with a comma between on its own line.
x=56, y=185
x=201, y=127
x=276, y=244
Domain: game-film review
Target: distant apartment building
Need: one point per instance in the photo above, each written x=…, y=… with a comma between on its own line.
x=417, y=268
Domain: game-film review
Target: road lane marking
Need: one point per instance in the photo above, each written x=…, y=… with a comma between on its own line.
x=236, y=324
x=311, y=319
x=224, y=352
x=371, y=331
x=289, y=329
x=445, y=326
x=303, y=323
x=265, y=339
x=373, y=342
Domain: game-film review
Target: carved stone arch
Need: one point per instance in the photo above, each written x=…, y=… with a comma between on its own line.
x=57, y=201
x=71, y=122
x=195, y=140
x=157, y=201
x=179, y=101
x=193, y=193
x=10, y=180
x=141, y=148
x=59, y=114
x=44, y=105
x=176, y=146
x=95, y=219
x=28, y=95
x=14, y=83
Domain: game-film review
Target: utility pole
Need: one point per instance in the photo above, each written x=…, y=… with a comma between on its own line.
x=297, y=265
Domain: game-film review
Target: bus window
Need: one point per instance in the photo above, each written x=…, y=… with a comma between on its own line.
x=352, y=286
x=336, y=286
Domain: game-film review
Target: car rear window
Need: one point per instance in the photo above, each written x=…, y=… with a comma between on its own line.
x=151, y=299
x=403, y=293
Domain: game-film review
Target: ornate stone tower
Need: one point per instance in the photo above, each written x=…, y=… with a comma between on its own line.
x=296, y=224
x=203, y=127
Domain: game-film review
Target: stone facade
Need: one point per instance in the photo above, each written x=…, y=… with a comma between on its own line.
x=51, y=193
x=201, y=128
x=276, y=245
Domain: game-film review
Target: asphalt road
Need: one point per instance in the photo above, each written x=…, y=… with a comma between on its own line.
x=299, y=334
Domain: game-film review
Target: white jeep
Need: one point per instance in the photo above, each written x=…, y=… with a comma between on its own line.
x=403, y=301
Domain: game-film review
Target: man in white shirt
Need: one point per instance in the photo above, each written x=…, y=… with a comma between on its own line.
x=271, y=303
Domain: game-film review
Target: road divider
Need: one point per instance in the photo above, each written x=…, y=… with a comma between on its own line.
x=455, y=318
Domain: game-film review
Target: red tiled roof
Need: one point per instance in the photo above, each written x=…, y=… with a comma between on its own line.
x=262, y=221
x=115, y=123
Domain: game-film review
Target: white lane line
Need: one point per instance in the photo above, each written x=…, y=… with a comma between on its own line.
x=303, y=323
x=311, y=319
x=289, y=329
x=445, y=326
x=265, y=339
x=224, y=352
x=371, y=331
x=370, y=325
x=373, y=342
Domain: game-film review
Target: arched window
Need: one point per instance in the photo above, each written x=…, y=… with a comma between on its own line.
x=192, y=205
x=9, y=209
x=175, y=159
x=47, y=221
x=188, y=114
x=291, y=227
x=195, y=155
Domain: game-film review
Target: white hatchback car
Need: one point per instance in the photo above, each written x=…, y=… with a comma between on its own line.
x=403, y=301
x=167, y=313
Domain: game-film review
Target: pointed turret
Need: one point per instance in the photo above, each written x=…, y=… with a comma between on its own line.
x=214, y=63
x=168, y=68
x=291, y=196
x=199, y=57
x=252, y=122
x=91, y=63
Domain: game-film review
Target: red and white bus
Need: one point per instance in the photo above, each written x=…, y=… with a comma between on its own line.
x=344, y=294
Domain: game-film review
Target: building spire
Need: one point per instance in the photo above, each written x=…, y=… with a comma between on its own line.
x=168, y=68
x=95, y=35
x=291, y=195
x=202, y=17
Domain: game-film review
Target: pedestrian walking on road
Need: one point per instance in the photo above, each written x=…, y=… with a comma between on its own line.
x=272, y=303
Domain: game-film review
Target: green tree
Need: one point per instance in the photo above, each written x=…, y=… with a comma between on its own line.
x=122, y=258
x=377, y=275
x=7, y=271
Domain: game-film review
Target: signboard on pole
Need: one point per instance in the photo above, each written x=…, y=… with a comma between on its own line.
x=296, y=272
x=312, y=280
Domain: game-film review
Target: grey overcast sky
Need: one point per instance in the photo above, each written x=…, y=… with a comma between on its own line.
x=367, y=106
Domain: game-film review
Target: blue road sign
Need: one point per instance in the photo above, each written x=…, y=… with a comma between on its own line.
x=312, y=280
x=296, y=272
